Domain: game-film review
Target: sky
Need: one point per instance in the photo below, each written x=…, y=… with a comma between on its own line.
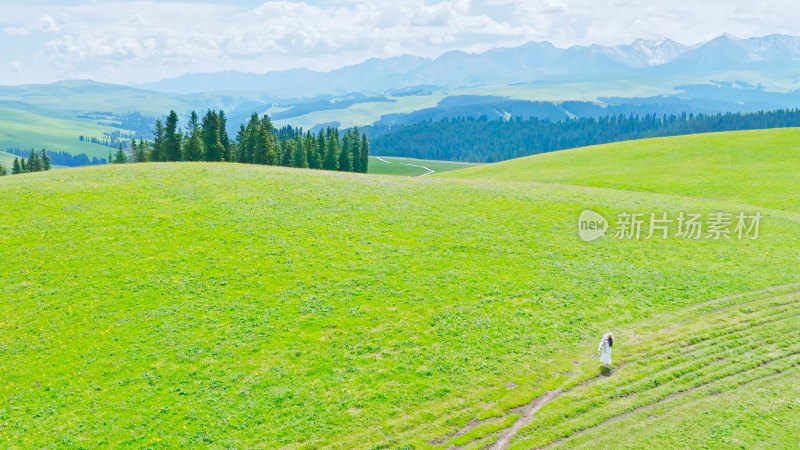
x=122, y=41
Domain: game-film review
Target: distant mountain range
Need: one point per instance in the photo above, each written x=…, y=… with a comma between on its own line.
x=527, y=63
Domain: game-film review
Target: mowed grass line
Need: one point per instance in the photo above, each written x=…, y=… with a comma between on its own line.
x=757, y=167
x=219, y=304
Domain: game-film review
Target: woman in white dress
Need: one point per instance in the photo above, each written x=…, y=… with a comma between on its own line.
x=605, y=349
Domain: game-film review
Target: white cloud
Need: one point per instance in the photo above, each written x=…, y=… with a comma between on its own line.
x=47, y=24
x=140, y=40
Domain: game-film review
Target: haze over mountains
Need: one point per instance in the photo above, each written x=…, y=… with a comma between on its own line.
x=531, y=62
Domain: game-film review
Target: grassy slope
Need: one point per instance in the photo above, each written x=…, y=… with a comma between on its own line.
x=752, y=167
x=246, y=305
x=7, y=160
x=29, y=129
x=388, y=165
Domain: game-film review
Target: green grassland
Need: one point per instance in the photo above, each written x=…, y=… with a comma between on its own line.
x=24, y=128
x=7, y=160
x=389, y=165
x=757, y=167
x=194, y=304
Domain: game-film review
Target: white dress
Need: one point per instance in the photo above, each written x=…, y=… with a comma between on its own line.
x=605, y=351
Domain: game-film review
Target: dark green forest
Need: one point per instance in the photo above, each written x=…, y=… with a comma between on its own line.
x=257, y=142
x=484, y=141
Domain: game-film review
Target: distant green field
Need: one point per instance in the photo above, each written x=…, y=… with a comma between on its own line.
x=27, y=129
x=164, y=305
x=757, y=167
x=7, y=160
x=389, y=165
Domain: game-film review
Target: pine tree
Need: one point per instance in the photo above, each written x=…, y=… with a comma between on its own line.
x=34, y=163
x=193, y=147
x=299, y=155
x=331, y=161
x=173, y=138
x=158, y=152
x=312, y=154
x=212, y=144
x=16, y=168
x=286, y=152
x=24, y=164
x=45, y=160
x=110, y=159
x=3, y=171
x=139, y=153
x=227, y=153
x=346, y=155
x=364, y=166
x=120, y=157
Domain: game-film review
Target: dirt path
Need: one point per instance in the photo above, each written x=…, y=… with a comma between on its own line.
x=533, y=407
x=429, y=170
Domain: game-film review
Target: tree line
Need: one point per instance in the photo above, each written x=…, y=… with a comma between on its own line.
x=481, y=140
x=34, y=163
x=257, y=142
x=63, y=158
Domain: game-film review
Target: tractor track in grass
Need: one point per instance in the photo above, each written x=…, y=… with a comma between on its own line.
x=705, y=339
x=679, y=394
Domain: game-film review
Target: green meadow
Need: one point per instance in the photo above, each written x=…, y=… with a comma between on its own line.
x=758, y=167
x=389, y=165
x=224, y=305
x=26, y=128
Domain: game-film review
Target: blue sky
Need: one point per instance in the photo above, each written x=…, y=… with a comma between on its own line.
x=138, y=41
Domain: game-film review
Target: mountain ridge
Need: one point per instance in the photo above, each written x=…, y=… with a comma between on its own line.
x=532, y=61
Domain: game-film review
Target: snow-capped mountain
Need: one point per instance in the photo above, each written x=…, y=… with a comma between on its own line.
x=527, y=63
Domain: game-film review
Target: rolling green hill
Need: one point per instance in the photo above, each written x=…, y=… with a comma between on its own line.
x=25, y=128
x=193, y=304
x=7, y=159
x=411, y=167
x=753, y=167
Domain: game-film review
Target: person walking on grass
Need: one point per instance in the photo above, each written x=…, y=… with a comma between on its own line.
x=605, y=349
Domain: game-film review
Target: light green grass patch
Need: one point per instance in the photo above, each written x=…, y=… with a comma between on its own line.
x=389, y=165
x=757, y=167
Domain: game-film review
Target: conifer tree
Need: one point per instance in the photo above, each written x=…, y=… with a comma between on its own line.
x=173, y=138
x=299, y=155
x=223, y=137
x=16, y=168
x=34, y=163
x=212, y=144
x=120, y=157
x=193, y=147
x=158, y=152
x=287, y=146
x=24, y=166
x=364, y=153
x=331, y=161
x=3, y=171
x=110, y=158
x=312, y=153
x=45, y=160
x=346, y=155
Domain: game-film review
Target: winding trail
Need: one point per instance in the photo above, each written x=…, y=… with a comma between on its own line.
x=429, y=170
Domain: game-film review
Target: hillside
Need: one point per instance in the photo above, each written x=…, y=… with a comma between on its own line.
x=191, y=304
x=23, y=126
x=757, y=167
